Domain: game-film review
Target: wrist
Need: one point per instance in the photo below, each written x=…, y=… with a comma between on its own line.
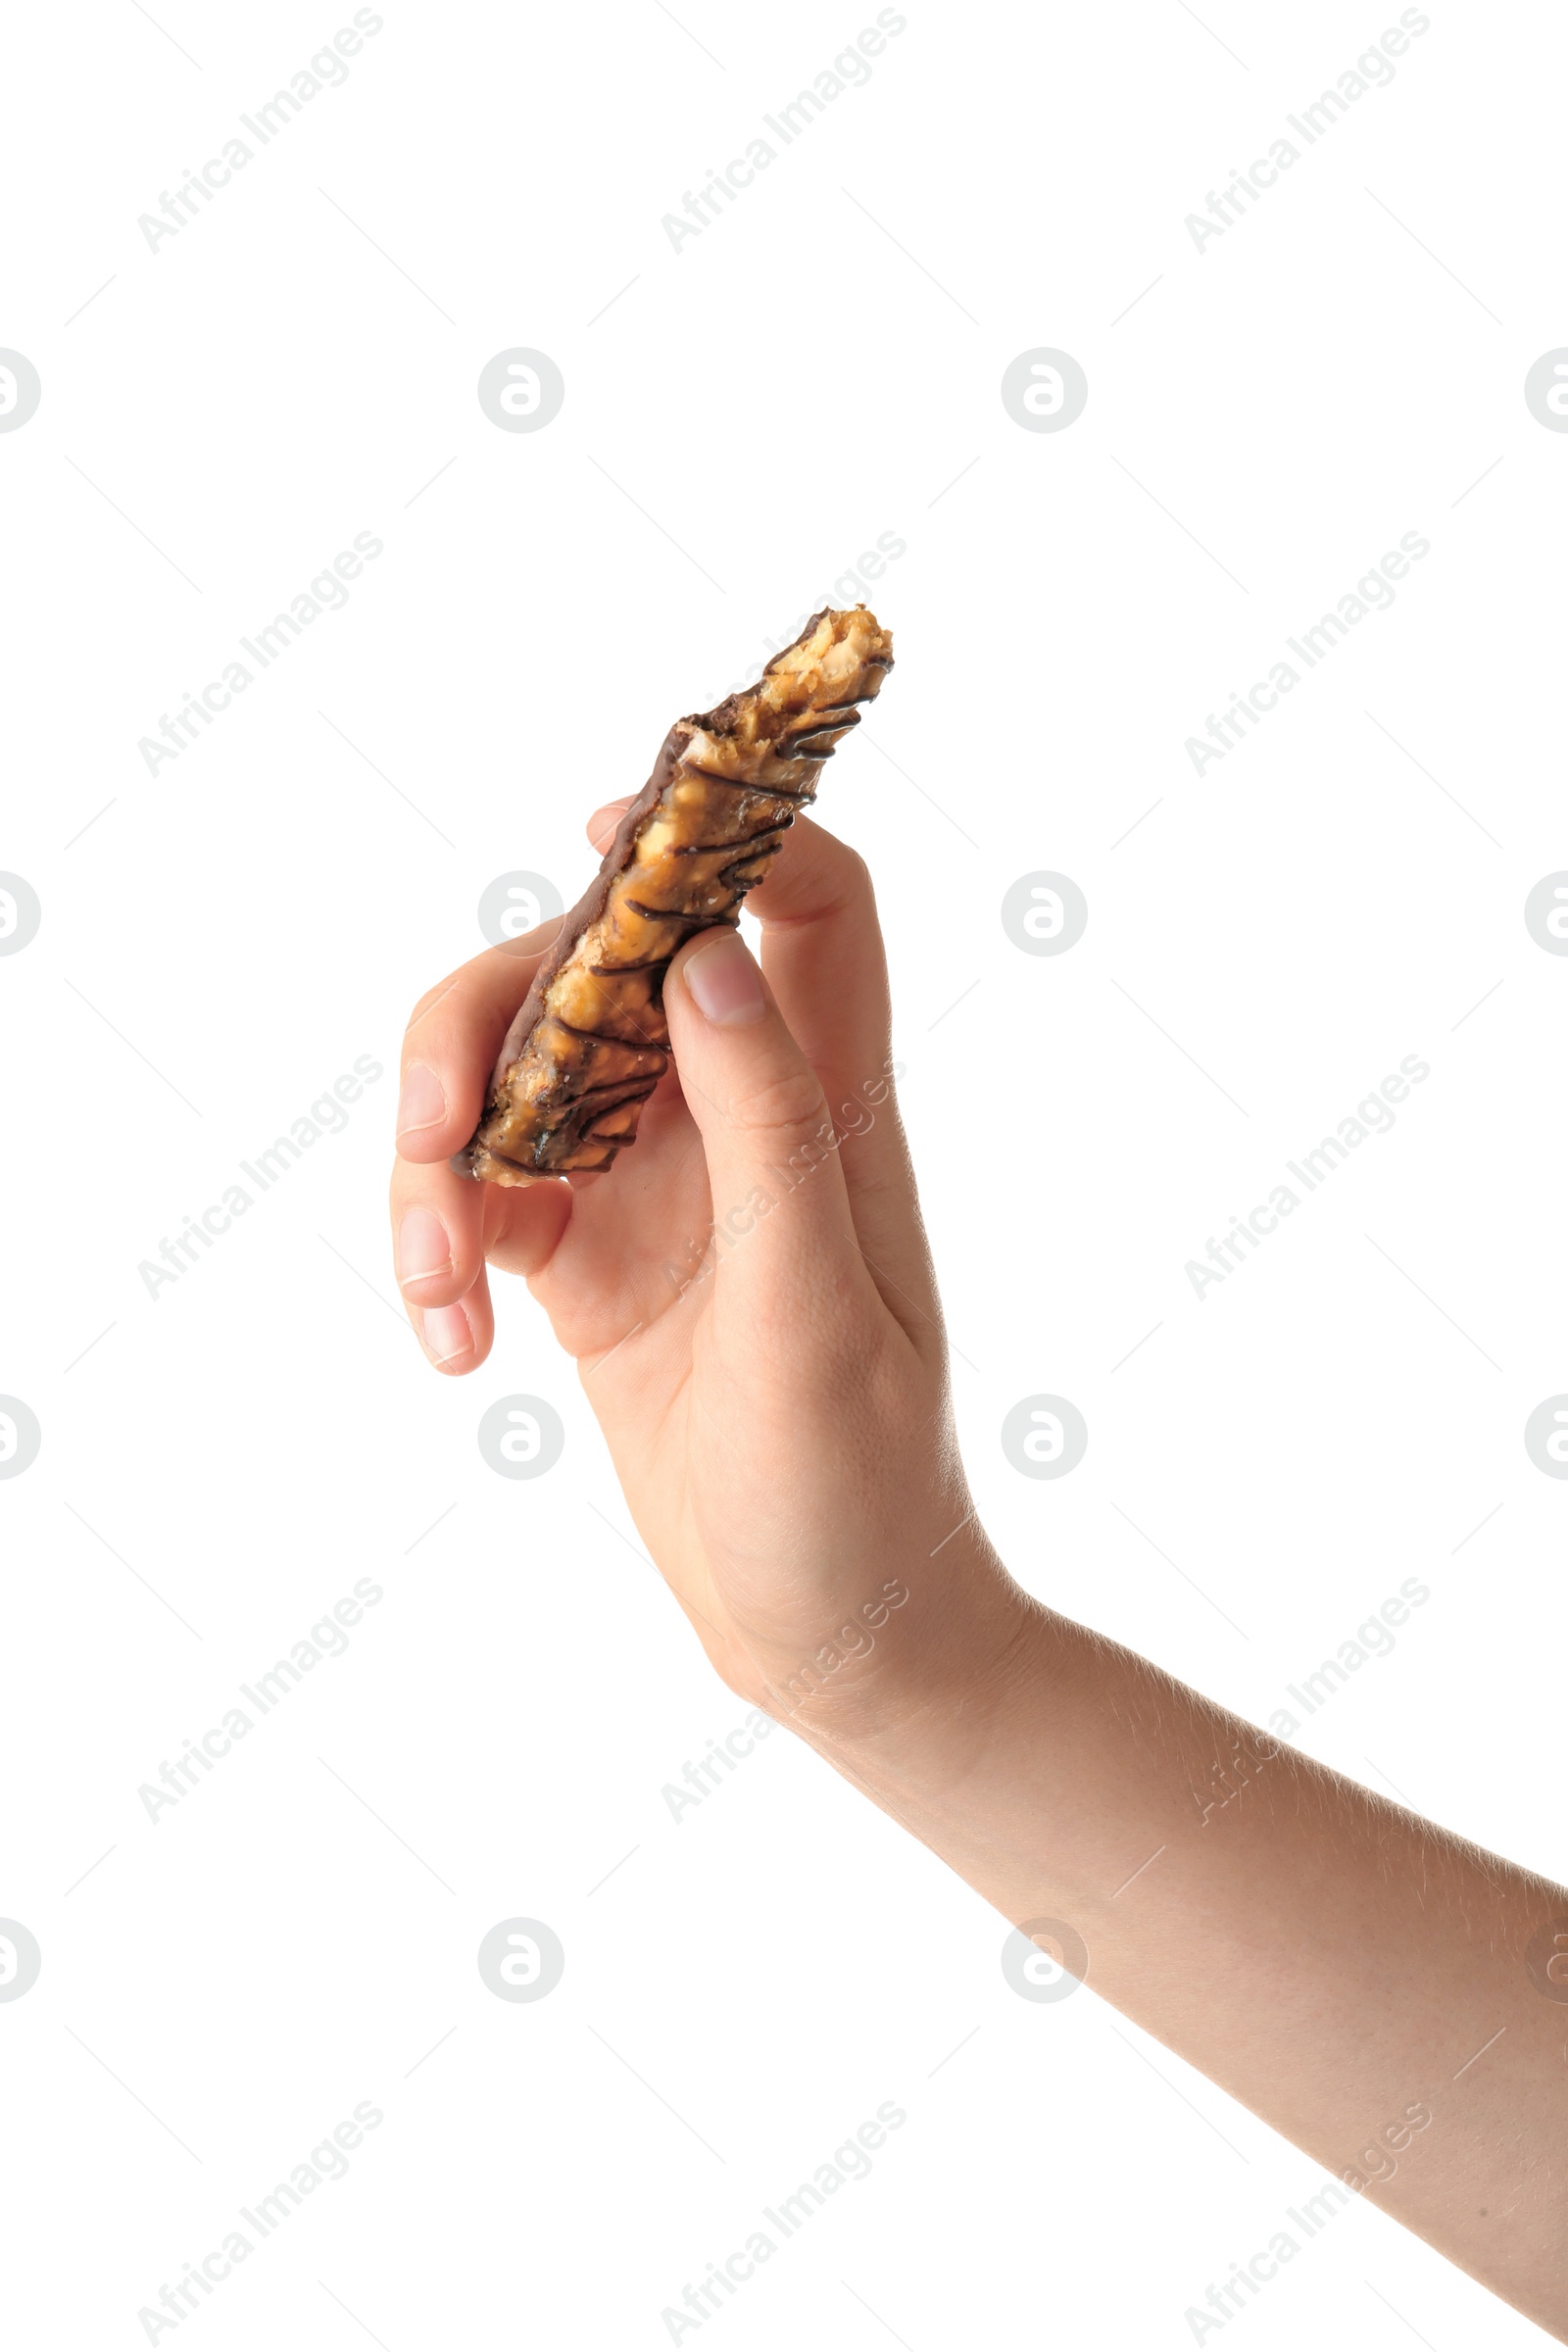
x=926, y=1694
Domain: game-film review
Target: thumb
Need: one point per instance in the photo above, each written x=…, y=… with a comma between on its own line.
x=772, y=1153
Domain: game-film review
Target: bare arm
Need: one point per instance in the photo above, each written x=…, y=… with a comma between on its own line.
x=1375, y=1988
x=753, y=1309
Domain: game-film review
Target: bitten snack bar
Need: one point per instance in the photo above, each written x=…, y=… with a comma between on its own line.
x=590, y=1043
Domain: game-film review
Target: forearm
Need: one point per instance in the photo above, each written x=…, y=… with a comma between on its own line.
x=782, y=1430
x=1342, y=1967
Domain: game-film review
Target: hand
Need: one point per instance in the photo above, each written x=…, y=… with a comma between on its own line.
x=750, y=1301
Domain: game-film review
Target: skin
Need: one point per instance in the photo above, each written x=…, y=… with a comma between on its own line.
x=776, y=1404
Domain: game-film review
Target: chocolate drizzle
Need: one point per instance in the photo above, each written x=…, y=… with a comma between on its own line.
x=590, y=1040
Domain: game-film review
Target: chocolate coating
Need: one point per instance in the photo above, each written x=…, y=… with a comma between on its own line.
x=589, y=1042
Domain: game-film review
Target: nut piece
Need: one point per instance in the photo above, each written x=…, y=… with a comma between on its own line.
x=591, y=1042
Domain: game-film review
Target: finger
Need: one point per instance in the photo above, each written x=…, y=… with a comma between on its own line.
x=638, y=1235
x=457, y=1338
x=443, y=1224
x=823, y=952
x=440, y=1266
x=444, y=1227
x=455, y=1332
x=759, y=1109
x=525, y=1224
x=603, y=823
x=452, y=1040
x=823, y=957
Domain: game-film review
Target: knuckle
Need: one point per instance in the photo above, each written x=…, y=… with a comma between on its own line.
x=854, y=892
x=441, y=1289
x=857, y=881
x=839, y=884
x=431, y=998
x=849, y=871
x=787, y=1102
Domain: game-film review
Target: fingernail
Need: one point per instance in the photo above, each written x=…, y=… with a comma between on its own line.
x=724, y=982
x=423, y=1246
x=446, y=1333
x=422, y=1101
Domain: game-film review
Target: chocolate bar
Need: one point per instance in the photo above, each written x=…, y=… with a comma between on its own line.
x=590, y=1042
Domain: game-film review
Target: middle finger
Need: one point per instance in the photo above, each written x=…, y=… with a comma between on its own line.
x=452, y=1040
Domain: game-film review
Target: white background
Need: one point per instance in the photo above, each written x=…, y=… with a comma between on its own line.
x=818, y=367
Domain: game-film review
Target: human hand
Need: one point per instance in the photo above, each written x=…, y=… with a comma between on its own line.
x=749, y=1299
x=750, y=1304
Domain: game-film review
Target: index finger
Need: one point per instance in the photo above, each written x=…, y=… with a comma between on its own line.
x=452, y=1040
x=823, y=959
